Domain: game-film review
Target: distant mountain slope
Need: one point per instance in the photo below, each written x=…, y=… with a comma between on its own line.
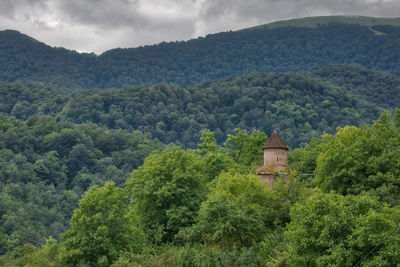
x=300, y=105
x=378, y=87
x=26, y=60
x=325, y=20
x=259, y=49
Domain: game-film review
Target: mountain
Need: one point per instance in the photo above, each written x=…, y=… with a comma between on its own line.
x=300, y=105
x=30, y=62
x=297, y=45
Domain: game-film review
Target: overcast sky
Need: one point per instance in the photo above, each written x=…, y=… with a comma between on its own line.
x=99, y=25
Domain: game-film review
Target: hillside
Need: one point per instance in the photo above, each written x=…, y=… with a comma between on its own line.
x=370, y=42
x=28, y=61
x=317, y=21
x=300, y=105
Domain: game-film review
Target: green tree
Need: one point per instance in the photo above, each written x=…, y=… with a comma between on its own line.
x=238, y=211
x=167, y=191
x=214, y=158
x=396, y=118
x=335, y=230
x=100, y=229
x=244, y=148
x=304, y=160
x=365, y=158
x=208, y=142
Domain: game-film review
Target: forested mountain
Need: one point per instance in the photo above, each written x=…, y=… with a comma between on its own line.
x=259, y=49
x=28, y=61
x=300, y=105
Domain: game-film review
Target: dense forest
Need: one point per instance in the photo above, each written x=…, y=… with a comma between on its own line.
x=204, y=207
x=25, y=60
x=146, y=156
x=46, y=166
x=296, y=104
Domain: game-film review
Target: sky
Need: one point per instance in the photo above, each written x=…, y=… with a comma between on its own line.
x=100, y=25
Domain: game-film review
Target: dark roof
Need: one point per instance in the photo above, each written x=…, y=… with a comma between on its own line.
x=275, y=141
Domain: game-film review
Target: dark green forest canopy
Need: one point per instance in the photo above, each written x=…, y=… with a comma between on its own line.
x=27, y=61
x=300, y=105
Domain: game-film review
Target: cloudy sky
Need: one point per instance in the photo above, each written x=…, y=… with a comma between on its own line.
x=99, y=25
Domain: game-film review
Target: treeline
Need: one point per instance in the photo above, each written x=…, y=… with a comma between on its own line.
x=45, y=167
x=215, y=56
x=299, y=105
x=203, y=207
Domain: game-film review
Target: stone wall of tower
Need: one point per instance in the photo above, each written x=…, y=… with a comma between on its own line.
x=267, y=178
x=275, y=158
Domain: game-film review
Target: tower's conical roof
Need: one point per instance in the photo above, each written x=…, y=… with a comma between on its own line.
x=275, y=141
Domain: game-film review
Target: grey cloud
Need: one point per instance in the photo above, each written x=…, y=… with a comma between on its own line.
x=126, y=13
x=101, y=13
x=7, y=8
x=11, y=8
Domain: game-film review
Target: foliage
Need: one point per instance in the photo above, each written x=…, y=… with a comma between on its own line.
x=304, y=160
x=45, y=166
x=295, y=104
x=377, y=87
x=45, y=256
x=215, y=159
x=167, y=191
x=333, y=230
x=365, y=158
x=202, y=208
x=246, y=149
x=101, y=228
x=238, y=211
x=189, y=256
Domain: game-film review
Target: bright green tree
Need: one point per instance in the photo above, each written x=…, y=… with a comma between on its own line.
x=396, y=118
x=365, y=158
x=238, y=211
x=208, y=142
x=214, y=158
x=100, y=229
x=244, y=148
x=304, y=160
x=335, y=230
x=167, y=191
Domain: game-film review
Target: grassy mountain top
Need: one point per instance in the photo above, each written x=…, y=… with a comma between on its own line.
x=313, y=22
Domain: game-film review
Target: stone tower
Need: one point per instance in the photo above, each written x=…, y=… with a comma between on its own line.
x=275, y=159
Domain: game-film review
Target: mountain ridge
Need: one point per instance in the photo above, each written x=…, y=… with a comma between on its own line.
x=282, y=49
